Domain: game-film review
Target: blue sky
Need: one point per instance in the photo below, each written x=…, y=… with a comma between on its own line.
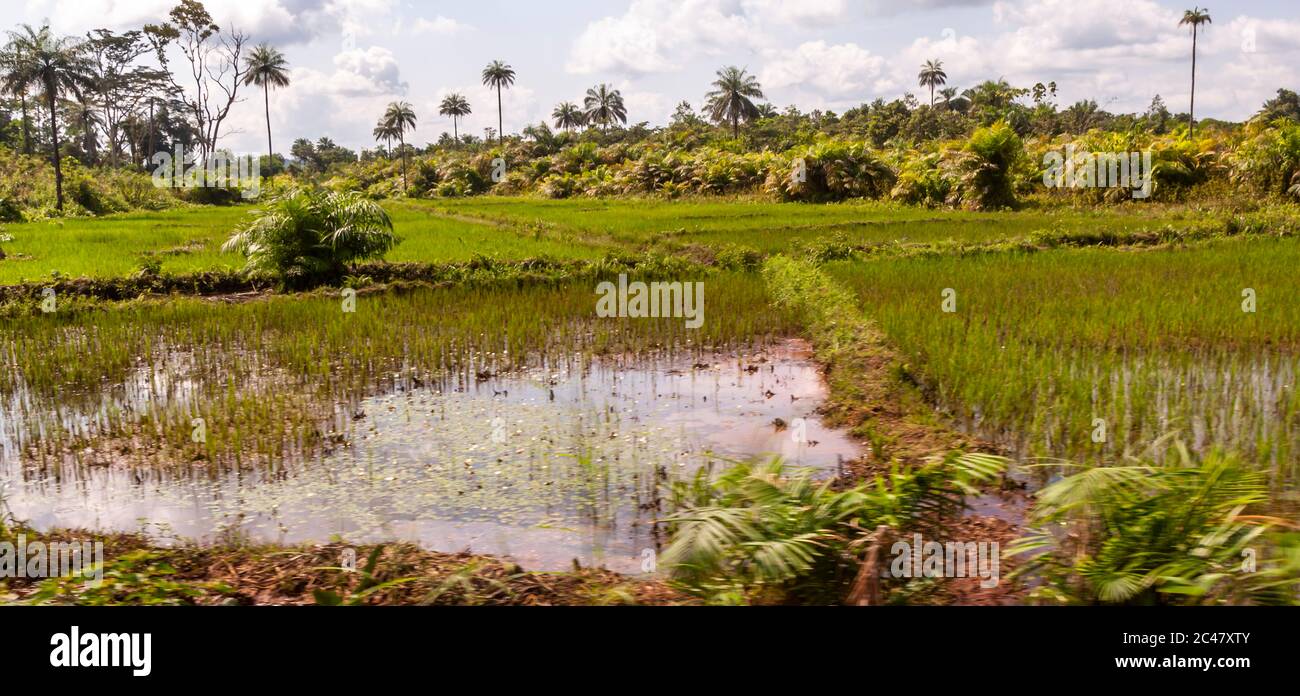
x=351, y=57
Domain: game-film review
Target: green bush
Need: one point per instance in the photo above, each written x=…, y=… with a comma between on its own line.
x=1158, y=533
x=761, y=531
x=309, y=236
x=983, y=172
x=9, y=210
x=1268, y=161
x=831, y=170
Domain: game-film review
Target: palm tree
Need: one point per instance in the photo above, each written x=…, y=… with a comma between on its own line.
x=731, y=99
x=932, y=75
x=54, y=65
x=948, y=94
x=498, y=75
x=399, y=117
x=568, y=116
x=604, y=105
x=89, y=118
x=1193, y=18
x=384, y=132
x=267, y=68
x=455, y=106
x=10, y=59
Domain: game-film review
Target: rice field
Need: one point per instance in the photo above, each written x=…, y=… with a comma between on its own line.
x=306, y=414
x=777, y=227
x=187, y=240
x=1040, y=350
x=291, y=417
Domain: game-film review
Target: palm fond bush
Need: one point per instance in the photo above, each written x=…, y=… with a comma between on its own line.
x=761, y=531
x=984, y=171
x=1268, y=161
x=1151, y=533
x=306, y=236
x=831, y=170
x=921, y=181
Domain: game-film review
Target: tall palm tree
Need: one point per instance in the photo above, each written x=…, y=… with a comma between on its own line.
x=1193, y=18
x=399, y=117
x=54, y=65
x=498, y=75
x=10, y=59
x=932, y=75
x=267, y=68
x=731, y=98
x=568, y=116
x=604, y=105
x=455, y=106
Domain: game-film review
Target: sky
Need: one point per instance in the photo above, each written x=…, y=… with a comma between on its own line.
x=350, y=58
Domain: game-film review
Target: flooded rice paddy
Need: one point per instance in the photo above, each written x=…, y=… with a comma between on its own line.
x=567, y=459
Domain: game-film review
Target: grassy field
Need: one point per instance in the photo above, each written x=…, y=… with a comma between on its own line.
x=1047, y=344
x=189, y=239
x=1153, y=343
x=1040, y=345
x=776, y=227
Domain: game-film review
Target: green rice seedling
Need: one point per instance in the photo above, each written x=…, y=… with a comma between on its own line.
x=1091, y=354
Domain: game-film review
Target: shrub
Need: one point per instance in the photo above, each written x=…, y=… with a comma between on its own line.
x=759, y=528
x=983, y=171
x=1155, y=533
x=9, y=210
x=307, y=236
x=831, y=170
x=1269, y=160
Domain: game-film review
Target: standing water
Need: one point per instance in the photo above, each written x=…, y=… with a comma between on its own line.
x=542, y=466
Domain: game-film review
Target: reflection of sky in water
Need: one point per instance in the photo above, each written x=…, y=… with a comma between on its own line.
x=544, y=466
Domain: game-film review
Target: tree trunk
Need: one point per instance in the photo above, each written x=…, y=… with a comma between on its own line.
x=735, y=127
x=405, y=186
x=1191, y=111
x=455, y=134
x=152, y=129
x=501, y=131
x=27, y=133
x=931, y=96
x=89, y=142
x=270, y=151
x=58, y=167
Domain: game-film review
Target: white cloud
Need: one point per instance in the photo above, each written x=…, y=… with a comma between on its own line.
x=661, y=35
x=832, y=70
x=441, y=26
x=281, y=22
x=367, y=72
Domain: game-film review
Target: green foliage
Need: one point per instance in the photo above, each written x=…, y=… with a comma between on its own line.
x=984, y=170
x=137, y=577
x=1268, y=161
x=760, y=529
x=306, y=236
x=1159, y=533
x=832, y=170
